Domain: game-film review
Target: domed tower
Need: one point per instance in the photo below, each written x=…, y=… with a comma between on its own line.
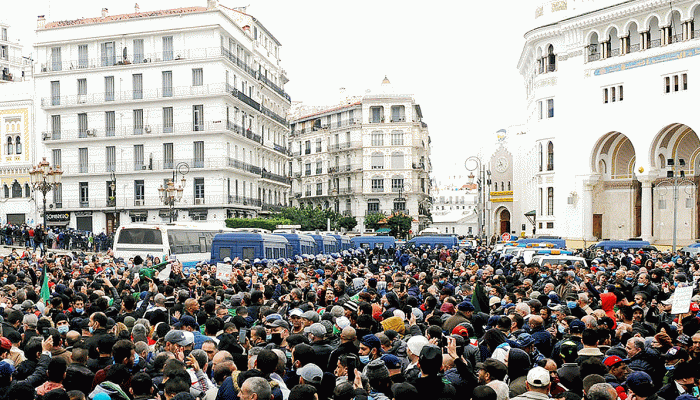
x=549, y=11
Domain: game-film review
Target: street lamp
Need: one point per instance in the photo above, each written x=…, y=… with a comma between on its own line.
x=472, y=164
x=43, y=178
x=168, y=193
x=113, y=198
x=676, y=179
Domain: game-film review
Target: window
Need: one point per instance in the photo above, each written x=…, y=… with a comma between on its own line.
x=377, y=185
x=550, y=108
x=138, y=122
x=10, y=149
x=319, y=189
x=372, y=206
x=199, y=154
x=138, y=51
x=199, y=188
x=137, y=85
x=82, y=56
x=82, y=90
x=676, y=83
x=55, y=93
x=83, y=160
x=198, y=118
x=167, y=48
x=109, y=88
x=58, y=195
x=619, y=93
x=28, y=191
x=139, y=191
x=167, y=120
x=56, y=64
x=377, y=139
x=82, y=125
x=685, y=81
x=197, y=77
x=138, y=157
x=376, y=115
x=397, y=160
x=396, y=184
x=377, y=161
x=16, y=190
x=338, y=120
x=307, y=169
x=540, y=114
x=110, y=158
x=541, y=157
x=167, y=83
x=541, y=202
x=400, y=205
x=55, y=127
x=398, y=114
x=18, y=145
x=319, y=167
x=56, y=157
x=168, y=155
x=550, y=156
x=550, y=225
x=318, y=145
x=110, y=119
x=6, y=190
x=307, y=147
x=550, y=201
x=108, y=54
x=605, y=95
x=397, y=138
x=4, y=34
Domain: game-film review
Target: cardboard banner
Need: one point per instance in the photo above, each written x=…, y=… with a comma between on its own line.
x=224, y=272
x=681, y=300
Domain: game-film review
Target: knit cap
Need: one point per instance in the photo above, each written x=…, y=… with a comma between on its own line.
x=376, y=369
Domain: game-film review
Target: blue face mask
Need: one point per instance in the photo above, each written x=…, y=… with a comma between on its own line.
x=79, y=310
x=629, y=278
x=63, y=329
x=136, y=358
x=640, y=284
x=503, y=302
x=268, y=337
x=364, y=359
x=571, y=304
x=670, y=367
x=543, y=275
x=442, y=282
x=90, y=329
x=561, y=329
x=675, y=284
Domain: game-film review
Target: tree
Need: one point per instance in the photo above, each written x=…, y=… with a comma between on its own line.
x=348, y=223
x=310, y=218
x=399, y=224
x=372, y=221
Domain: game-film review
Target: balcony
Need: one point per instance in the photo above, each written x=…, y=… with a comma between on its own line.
x=343, y=146
x=244, y=201
x=419, y=166
x=242, y=97
x=273, y=86
x=339, y=169
x=377, y=190
x=128, y=167
x=274, y=116
x=247, y=133
x=274, y=177
x=272, y=208
x=377, y=211
x=345, y=191
x=280, y=149
x=398, y=118
x=297, y=195
x=297, y=174
x=243, y=166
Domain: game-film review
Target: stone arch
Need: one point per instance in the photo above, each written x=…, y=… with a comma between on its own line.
x=628, y=25
x=649, y=20
x=617, y=154
x=671, y=14
x=593, y=37
x=610, y=28
x=502, y=216
x=676, y=141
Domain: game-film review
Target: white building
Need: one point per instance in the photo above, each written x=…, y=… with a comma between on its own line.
x=17, y=203
x=364, y=157
x=454, y=208
x=610, y=88
x=127, y=98
x=14, y=67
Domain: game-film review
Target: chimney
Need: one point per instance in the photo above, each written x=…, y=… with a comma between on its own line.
x=211, y=4
x=40, y=22
x=137, y=9
x=104, y=12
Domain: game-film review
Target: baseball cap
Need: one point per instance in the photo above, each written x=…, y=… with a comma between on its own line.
x=494, y=300
x=177, y=337
x=27, y=304
x=6, y=369
x=391, y=361
x=640, y=382
x=316, y=329
x=342, y=322
x=278, y=323
x=311, y=373
x=525, y=339
x=296, y=312
x=610, y=361
x=538, y=377
x=188, y=320
x=461, y=331
x=568, y=348
x=491, y=365
x=577, y=326
x=311, y=316
x=189, y=338
x=676, y=353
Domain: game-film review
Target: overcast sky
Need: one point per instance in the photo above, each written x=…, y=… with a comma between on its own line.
x=457, y=57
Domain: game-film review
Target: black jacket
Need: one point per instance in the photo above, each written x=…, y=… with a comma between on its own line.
x=78, y=377
x=432, y=387
x=343, y=348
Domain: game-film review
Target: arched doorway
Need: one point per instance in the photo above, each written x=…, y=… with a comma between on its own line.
x=617, y=197
x=503, y=218
x=680, y=143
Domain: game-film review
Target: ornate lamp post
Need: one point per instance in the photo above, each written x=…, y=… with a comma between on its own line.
x=168, y=193
x=44, y=178
x=472, y=164
x=113, y=198
x=675, y=178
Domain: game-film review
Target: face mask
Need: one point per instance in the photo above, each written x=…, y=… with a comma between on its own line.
x=571, y=304
x=442, y=282
x=268, y=337
x=90, y=329
x=386, y=305
x=675, y=284
x=503, y=302
x=136, y=358
x=288, y=354
x=670, y=367
x=63, y=329
x=79, y=310
x=364, y=359
x=543, y=275
x=561, y=328
x=629, y=278
x=276, y=338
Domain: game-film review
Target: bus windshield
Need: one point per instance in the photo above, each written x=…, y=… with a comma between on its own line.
x=140, y=236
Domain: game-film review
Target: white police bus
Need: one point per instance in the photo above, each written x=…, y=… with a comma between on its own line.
x=190, y=243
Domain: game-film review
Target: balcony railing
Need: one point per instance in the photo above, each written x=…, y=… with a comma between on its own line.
x=634, y=48
x=157, y=165
x=273, y=86
x=343, y=146
x=615, y=52
x=154, y=202
x=275, y=177
x=377, y=190
x=147, y=129
x=655, y=43
x=279, y=148
x=346, y=213
x=677, y=38
x=244, y=201
x=267, y=112
x=242, y=97
x=347, y=190
x=243, y=166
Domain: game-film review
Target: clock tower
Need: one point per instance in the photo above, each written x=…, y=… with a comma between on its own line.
x=501, y=191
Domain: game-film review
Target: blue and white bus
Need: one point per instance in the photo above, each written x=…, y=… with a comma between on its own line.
x=344, y=242
x=299, y=243
x=191, y=243
x=324, y=244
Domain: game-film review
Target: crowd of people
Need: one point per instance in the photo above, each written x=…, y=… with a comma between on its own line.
x=408, y=324
x=57, y=237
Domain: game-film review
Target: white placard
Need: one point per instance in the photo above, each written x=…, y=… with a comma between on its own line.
x=681, y=300
x=224, y=272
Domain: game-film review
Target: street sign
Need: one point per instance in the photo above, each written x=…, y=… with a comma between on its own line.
x=681, y=300
x=505, y=237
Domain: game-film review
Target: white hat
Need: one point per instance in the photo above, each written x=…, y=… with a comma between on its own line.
x=416, y=343
x=296, y=312
x=494, y=300
x=538, y=377
x=342, y=322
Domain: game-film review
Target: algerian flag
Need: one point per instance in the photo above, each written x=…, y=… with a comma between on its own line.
x=45, y=293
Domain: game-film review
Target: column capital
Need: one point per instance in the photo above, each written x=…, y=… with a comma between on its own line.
x=590, y=181
x=648, y=178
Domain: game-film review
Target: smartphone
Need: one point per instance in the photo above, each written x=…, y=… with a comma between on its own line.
x=403, y=287
x=352, y=364
x=242, y=335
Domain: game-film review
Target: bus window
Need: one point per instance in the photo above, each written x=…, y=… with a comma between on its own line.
x=202, y=244
x=224, y=252
x=268, y=252
x=248, y=253
x=140, y=236
x=178, y=242
x=276, y=253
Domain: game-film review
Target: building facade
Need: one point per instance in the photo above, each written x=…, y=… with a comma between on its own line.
x=14, y=67
x=131, y=101
x=454, y=208
x=609, y=88
x=370, y=155
x=18, y=205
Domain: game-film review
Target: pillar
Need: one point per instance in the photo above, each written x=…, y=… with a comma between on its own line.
x=647, y=205
x=588, y=186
